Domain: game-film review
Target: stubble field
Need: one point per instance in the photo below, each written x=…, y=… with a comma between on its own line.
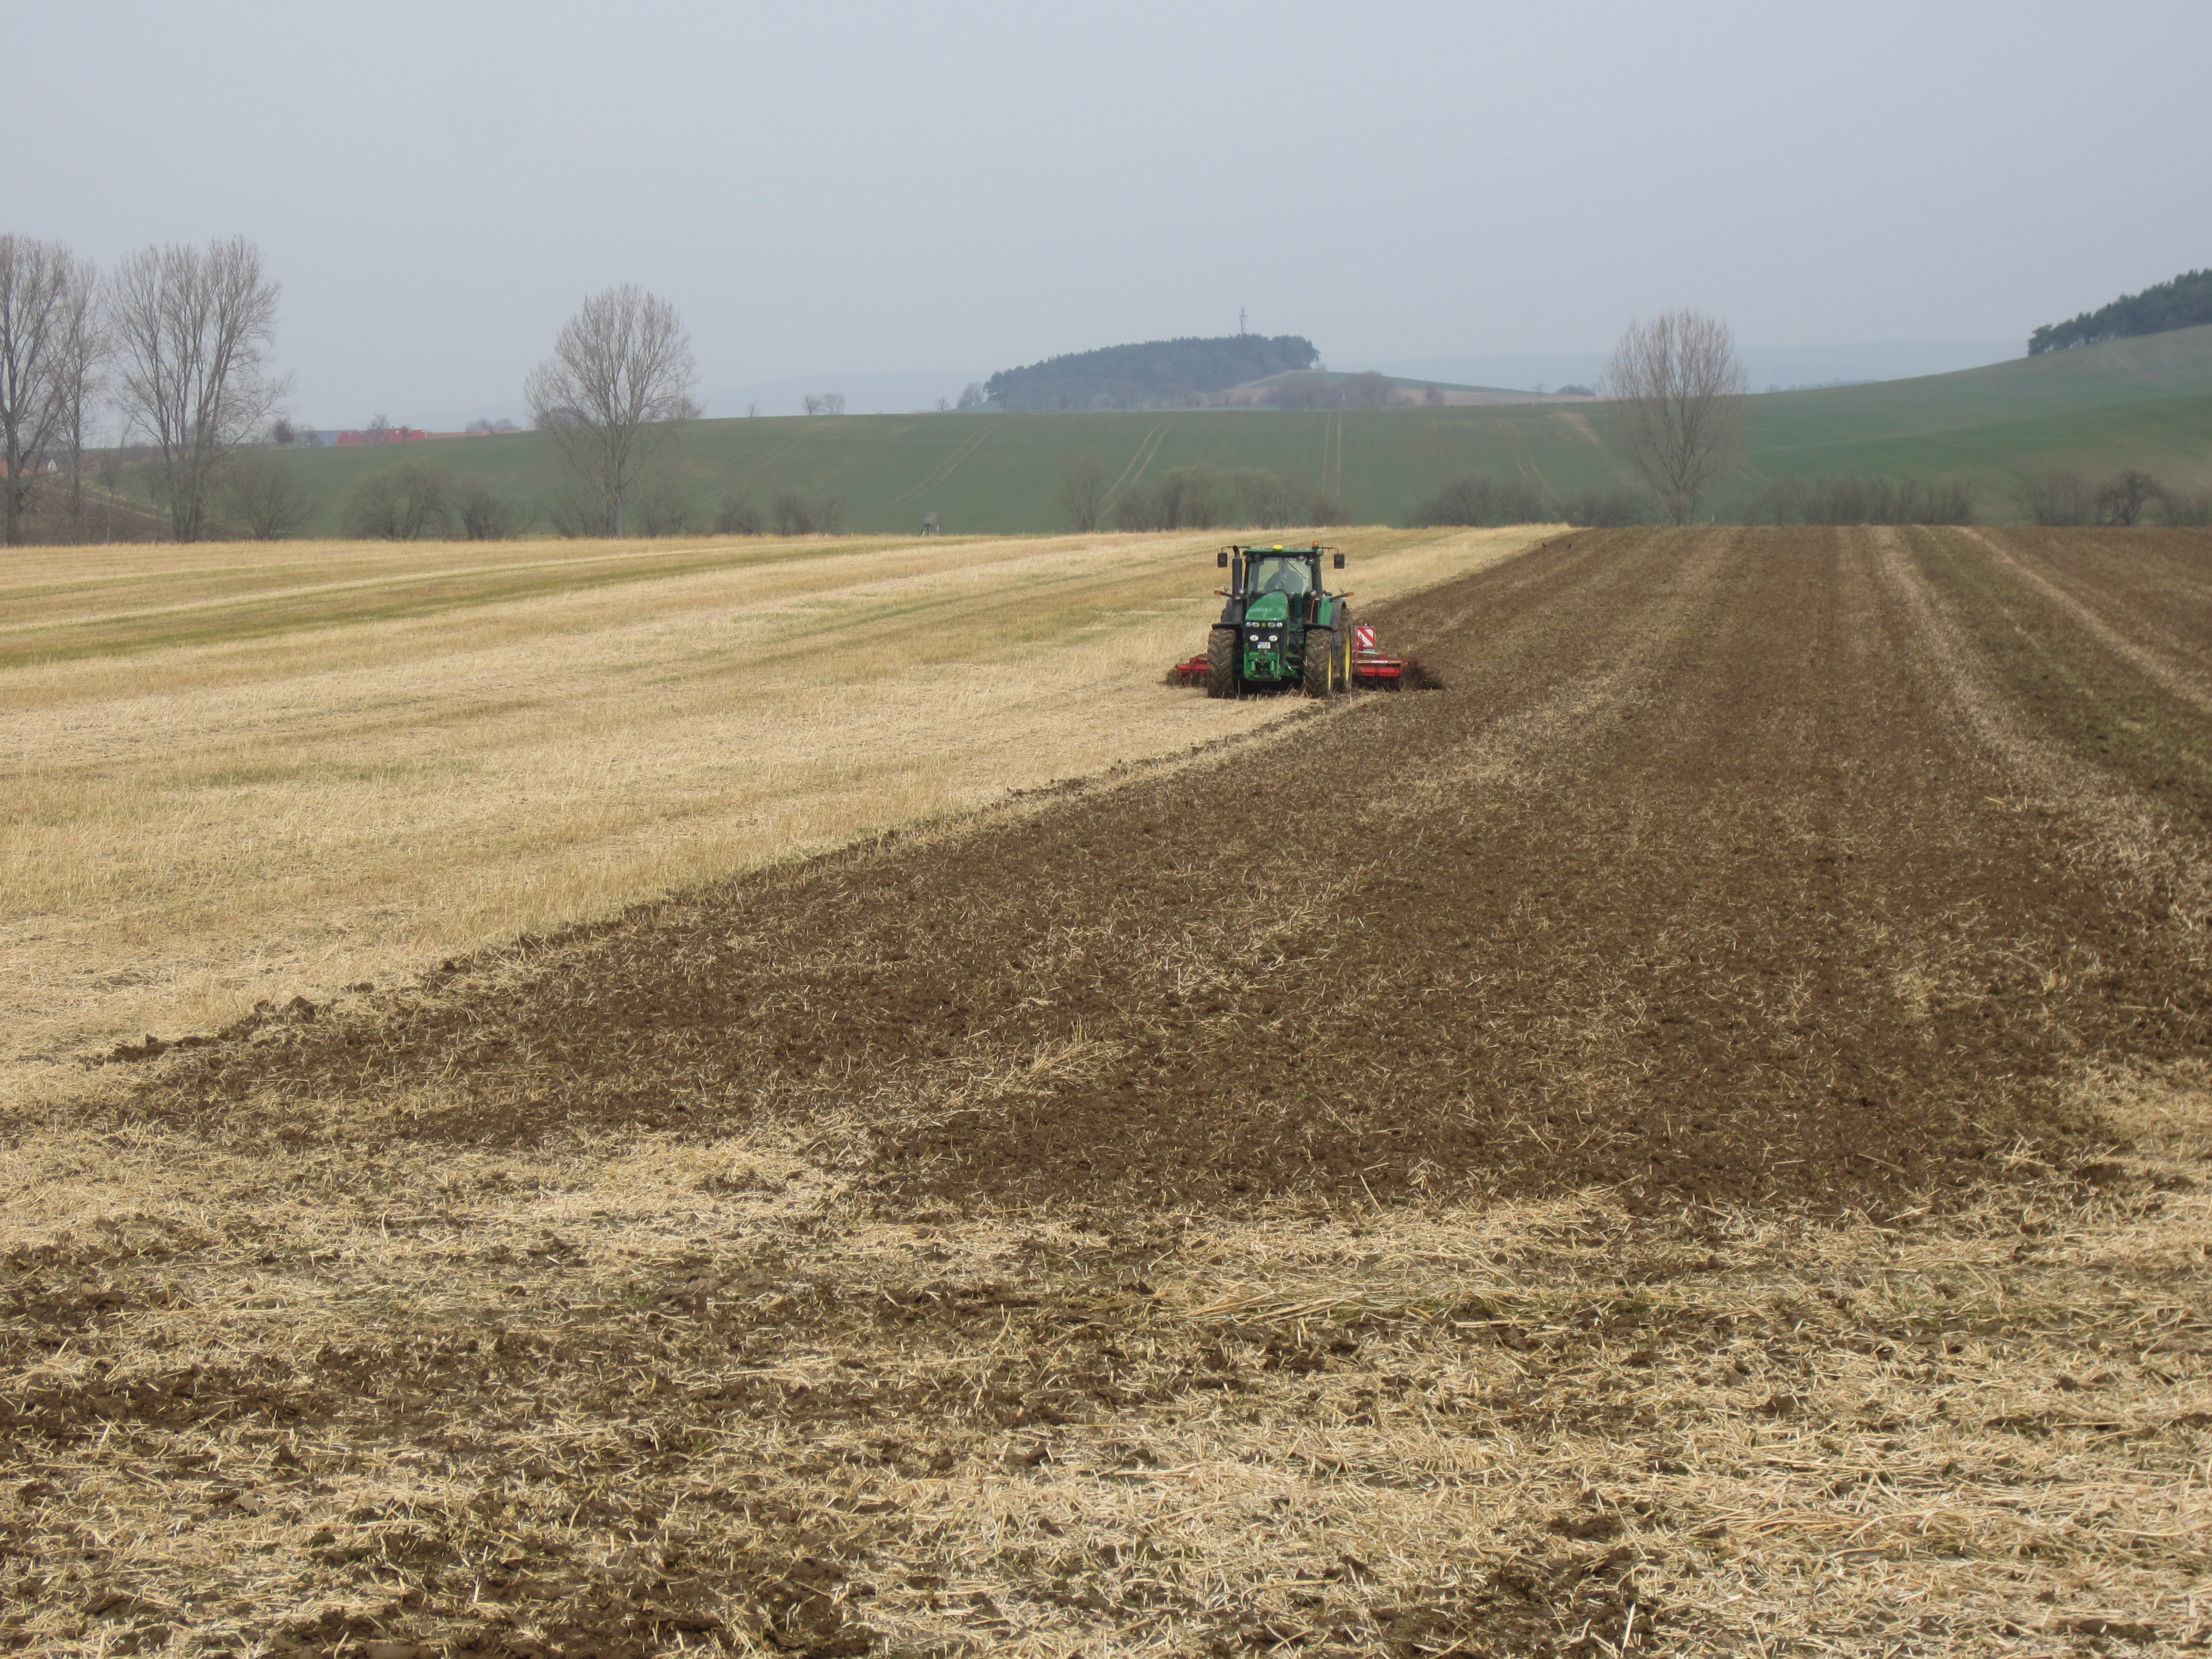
x=242, y=774
x=1690, y=1138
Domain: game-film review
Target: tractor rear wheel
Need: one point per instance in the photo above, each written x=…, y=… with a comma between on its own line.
x=1320, y=677
x=1221, y=663
x=1344, y=650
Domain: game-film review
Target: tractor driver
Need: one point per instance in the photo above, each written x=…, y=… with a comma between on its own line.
x=1286, y=576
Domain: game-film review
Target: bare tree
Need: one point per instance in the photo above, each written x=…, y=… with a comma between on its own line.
x=807, y=515
x=2125, y=494
x=737, y=515
x=664, y=506
x=1679, y=384
x=620, y=376
x=265, y=496
x=193, y=330
x=2057, y=496
x=2182, y=507
x=88, y=344
x=406, y=501
x=1082, y=490
x=486, y=515
x=45, y=317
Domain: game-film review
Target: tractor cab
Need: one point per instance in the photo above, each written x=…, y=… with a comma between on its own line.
x=1293, y=575
x=1277, y=584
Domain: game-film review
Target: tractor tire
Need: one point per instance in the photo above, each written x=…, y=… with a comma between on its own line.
x=1320, y=664
x=1344, y=650
x=1221, y=663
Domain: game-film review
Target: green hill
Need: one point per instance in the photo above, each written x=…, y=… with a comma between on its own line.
x=2145, y=402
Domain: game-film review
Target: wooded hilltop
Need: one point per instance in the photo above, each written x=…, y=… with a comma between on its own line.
x=1156, y=374
x=2182, y=303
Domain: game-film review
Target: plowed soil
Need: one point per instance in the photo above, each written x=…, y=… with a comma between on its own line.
x=1693, y=884
x=1688, y=1137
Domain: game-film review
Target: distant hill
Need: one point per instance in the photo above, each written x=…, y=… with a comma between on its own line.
x=2135, y=403
x=2184, y=303
x=1156, y=374
x=1789, y=368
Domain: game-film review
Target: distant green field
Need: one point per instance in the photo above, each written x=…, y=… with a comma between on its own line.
x=2143, y=403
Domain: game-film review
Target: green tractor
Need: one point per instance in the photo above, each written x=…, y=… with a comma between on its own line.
x=1281, y=627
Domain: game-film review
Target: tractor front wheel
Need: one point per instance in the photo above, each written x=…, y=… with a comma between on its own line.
x=1221, y=663
x=1320, y=662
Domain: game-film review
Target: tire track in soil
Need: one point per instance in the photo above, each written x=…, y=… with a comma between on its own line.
x=2120, y=836
x=2104, y=678
x=1147, y=446
x=944, y=469
x=1699, y=883
x=2161, y=654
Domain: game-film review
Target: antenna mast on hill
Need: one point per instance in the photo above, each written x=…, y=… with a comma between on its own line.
x=1240, y=320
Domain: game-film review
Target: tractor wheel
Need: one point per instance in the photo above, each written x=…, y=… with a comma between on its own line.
x=1344, y=651
x=1320, y=662
x=1221, y=663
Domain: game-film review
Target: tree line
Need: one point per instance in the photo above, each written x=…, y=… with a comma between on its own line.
x=1485, y=499
x=422, y=498
x=174, y=341
x=1196, y=497
x=2056, y=495
x=2184, y=303
x=174, y=345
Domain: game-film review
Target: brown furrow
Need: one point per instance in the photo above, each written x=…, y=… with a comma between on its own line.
x=2164, y=667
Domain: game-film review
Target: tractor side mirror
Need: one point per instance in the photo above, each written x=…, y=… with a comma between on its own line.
x=1221, y=561
x=1339, y=562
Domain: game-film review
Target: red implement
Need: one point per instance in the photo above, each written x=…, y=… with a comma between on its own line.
x=1369, y=665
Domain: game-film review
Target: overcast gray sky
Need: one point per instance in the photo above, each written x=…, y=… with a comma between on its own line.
x=874, y=188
